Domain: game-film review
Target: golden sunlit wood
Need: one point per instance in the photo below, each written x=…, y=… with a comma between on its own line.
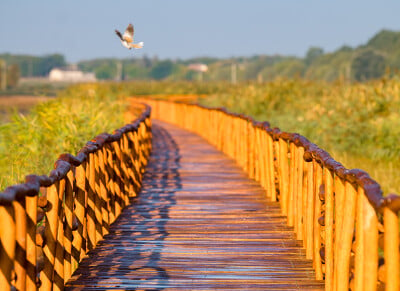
x=275, y=212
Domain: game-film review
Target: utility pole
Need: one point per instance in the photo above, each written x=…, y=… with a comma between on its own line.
x=30, y=68
x=234, y=73
x=259, y=78
x=3, y=75
x=348, y=73
x=119, y=70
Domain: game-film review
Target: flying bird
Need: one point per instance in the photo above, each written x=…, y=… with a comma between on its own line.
x=127, y=38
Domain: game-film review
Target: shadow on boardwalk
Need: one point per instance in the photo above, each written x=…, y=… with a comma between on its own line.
x=199, y=224
x=131, y=252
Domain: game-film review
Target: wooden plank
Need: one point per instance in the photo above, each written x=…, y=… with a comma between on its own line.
x=198, y=223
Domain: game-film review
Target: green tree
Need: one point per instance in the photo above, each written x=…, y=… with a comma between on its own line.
x=135, y=72
x=105, y=71
x=49, y=62
x=162, y=70
x=312, y=54
x=385, y=41
x=147, y=61
x=368, y=65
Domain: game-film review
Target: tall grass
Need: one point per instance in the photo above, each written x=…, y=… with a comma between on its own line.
x=359, y=124
x=31, y=144
x=21, y=104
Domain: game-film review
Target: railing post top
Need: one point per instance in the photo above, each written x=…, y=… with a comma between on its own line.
x=64, y=163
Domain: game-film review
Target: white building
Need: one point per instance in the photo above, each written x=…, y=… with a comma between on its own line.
x=70, y=75
x=198, y=67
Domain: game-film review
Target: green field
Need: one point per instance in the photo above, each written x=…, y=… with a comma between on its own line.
x=359, y=124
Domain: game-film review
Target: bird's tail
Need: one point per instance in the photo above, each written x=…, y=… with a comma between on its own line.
x=138, y=45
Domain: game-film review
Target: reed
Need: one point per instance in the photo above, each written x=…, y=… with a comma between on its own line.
x=359, y=124
x=31, y=143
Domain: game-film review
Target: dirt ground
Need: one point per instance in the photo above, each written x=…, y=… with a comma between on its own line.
x=22, y=103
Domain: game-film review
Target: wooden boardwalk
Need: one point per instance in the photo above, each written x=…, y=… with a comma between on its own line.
x=198, y=224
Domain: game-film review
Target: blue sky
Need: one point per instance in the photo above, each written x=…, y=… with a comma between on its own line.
x=188, y=28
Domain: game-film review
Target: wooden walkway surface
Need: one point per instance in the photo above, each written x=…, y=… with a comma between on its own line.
x=198, y=224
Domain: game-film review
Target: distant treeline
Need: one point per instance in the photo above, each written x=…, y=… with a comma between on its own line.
x=34, y=66
x=379, y=56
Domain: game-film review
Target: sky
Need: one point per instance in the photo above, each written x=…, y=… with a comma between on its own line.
x=84, y=29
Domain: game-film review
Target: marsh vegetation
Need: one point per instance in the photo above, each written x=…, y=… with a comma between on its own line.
x=358, y=123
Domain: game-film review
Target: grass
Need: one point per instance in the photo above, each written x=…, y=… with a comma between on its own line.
x=22, y=104
x=31, y=144
x=359, y=124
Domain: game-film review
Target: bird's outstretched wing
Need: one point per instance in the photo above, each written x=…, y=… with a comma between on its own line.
x=119, y=34
x=128, y=34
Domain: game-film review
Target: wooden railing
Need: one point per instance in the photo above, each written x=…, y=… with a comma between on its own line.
x=348, y=228
x=51, y=222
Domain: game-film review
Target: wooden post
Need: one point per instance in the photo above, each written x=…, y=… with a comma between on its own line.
x=129, y=175
x=257, y=154
x=68, y=209
x=91, y=214
x=304, y=202
x=339, y=214
x=51, y=231
x=20, y=252
x=58, y=276
x=292, y=185
x=7, y=239
x=317, y=227
x=125, y=175
x=118, y=179
x=97, y=197
x=103, y=195
x=31, y=211
x=329, y=208
x=111, y=183
x=284, y=175
x=370, y=223
x=346, y=237
x=275, y=169
x=80, y=235
x=251, y=149
x=264, y=179
x=310, y=211
x=392, y=258
x=296, y=189
x=236, y=133
x=360, y=242
x=136, y=159
x=299, y=203
x=270, y=166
